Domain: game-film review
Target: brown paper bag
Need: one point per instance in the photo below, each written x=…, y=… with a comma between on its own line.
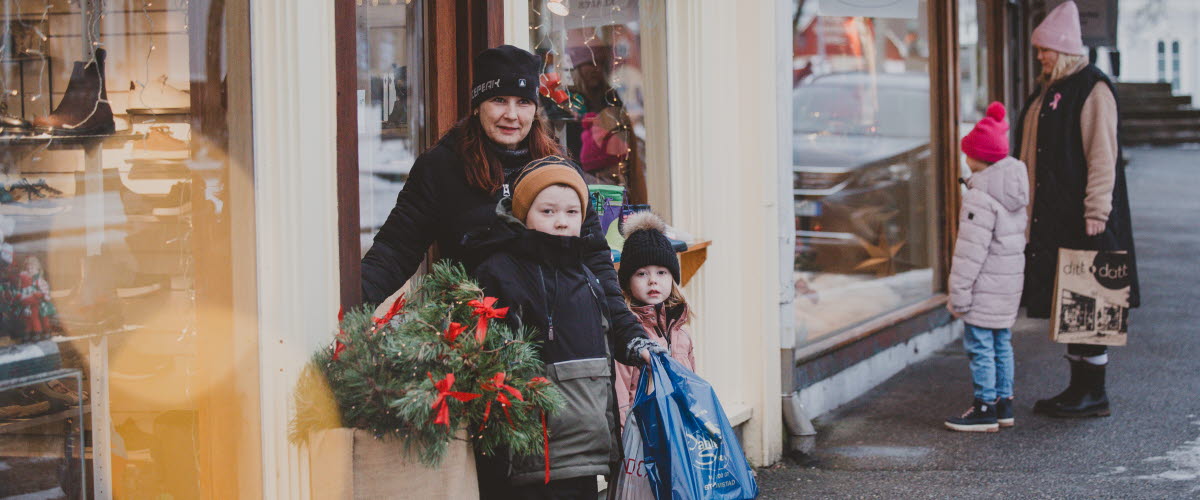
x=347, y=464
x=1091, y=297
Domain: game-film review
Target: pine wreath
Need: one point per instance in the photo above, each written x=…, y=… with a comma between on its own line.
x=428, y=367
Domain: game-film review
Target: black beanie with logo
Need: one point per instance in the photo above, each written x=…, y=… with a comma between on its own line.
x=505, y=71
x=645, y=245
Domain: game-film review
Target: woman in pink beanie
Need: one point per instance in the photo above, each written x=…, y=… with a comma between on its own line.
x=1067, y=136
x=985, y=273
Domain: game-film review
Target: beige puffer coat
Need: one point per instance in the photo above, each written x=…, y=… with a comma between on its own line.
x=655, y=320
x=987, y=272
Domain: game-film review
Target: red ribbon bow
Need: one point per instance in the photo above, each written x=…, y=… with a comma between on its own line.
x=536, y=381
x=341, y=316
x=485, y=311
x=397, y=306
x=497, y=384
x=452, y=332
x=441, y=404
x=549, y=88
x=337, y=349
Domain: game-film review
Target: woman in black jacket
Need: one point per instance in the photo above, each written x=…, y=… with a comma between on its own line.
x=454, y=187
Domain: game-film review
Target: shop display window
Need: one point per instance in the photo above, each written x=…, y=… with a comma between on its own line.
x=974, y=95
x=391, y=112
x=126, y=204
x=864, y=179
x=604, y=90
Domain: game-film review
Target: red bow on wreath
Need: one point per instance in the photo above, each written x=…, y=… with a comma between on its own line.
x=441, y=405
x=338, y=347
x=452, y=332
x=485, y=311
x=397, y=306
x=497, y=384
x=549, y=88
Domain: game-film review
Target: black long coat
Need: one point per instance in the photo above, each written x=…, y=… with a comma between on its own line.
x=1060, y=185
x=437, y=204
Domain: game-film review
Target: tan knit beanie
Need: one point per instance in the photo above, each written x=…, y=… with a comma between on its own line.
x=540, y=174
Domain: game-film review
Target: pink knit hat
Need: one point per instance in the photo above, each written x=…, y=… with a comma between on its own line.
x=1060, y=30
x=988, y=141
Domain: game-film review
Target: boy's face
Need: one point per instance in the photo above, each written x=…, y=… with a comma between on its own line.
x=557, y=211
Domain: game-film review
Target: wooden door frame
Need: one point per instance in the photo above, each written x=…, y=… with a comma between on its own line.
x=455, y=30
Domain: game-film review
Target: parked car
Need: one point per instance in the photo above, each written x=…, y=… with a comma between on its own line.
x=861, y=172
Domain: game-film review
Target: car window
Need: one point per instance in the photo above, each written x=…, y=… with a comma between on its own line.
x=860, y=110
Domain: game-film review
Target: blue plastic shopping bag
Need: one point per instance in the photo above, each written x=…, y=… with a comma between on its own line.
x=690, y=449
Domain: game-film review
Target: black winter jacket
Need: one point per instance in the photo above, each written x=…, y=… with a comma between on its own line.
x=1059, y=192
x=544, y=282
x=437, y=204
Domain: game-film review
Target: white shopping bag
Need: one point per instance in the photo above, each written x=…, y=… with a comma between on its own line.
x=631, y=482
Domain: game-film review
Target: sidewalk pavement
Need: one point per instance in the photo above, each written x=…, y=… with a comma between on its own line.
x=890, y=443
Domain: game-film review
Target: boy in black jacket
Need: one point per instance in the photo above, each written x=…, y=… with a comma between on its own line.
x=537, y=270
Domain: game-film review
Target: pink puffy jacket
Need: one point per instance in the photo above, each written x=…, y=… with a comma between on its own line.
x=679, y=346
x=987, y=273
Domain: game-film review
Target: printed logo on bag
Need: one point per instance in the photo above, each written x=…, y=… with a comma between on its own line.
x=521, y=83
x=706, y=450
x=1110, y=269
x=484, y=87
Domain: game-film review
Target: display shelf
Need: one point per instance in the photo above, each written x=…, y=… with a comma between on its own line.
x=18, y=425
x=69, y=141
x=157, y=111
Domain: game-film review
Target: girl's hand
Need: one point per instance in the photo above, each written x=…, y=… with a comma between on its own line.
x=1095, y=227
x=954, y=313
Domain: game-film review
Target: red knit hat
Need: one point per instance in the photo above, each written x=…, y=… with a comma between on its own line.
x=988, y=141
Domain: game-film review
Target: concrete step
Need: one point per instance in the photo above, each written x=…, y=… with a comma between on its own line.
x=1157, y=102
x=1160, y=123
x=1135, y=113
x=1155, y=88
x=1160, y=137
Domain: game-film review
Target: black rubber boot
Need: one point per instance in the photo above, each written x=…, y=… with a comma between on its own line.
x=1045, y=405
x=1091, y=400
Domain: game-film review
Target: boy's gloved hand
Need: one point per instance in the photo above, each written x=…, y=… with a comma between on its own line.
x=644, y=347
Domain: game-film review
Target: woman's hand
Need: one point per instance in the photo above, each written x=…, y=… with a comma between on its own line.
x=1095, y=227
x=645, y=355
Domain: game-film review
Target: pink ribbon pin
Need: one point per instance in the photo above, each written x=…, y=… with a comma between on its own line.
x=1054, y=104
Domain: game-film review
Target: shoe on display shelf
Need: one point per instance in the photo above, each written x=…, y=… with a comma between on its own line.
x=84, y=108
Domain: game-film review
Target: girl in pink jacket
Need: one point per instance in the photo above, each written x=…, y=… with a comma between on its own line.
x=649, y=277
x=987, y=272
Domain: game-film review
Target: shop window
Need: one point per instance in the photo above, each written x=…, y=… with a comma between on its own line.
x=391, y=115
x=605, y=90
x=863, y=176
x=126, y=204
x=974, y=95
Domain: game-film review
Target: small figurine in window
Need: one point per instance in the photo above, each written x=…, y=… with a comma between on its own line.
x=33, y=297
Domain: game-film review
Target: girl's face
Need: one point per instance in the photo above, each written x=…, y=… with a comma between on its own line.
x=507, y=119
x=651, y=285
x=556, y=210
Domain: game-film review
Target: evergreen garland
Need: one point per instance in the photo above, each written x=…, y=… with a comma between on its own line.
x=421, y=372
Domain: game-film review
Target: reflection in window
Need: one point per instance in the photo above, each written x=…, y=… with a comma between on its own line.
x=603, y=90
x=390, y=114
x=862, y=172
x=126, y=203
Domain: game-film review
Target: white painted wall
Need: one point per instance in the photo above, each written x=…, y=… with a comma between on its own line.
x=292, y=43
x=1142, y=23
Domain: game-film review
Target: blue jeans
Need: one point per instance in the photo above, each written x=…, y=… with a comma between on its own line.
x=991, y=355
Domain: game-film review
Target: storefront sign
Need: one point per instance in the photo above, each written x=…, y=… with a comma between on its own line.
x=1097, y=20
x=906, y=9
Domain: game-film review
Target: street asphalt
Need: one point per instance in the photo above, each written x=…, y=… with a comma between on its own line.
x=890, y=443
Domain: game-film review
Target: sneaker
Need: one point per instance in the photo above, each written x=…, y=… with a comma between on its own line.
x=1004, y=412
x=980, y=417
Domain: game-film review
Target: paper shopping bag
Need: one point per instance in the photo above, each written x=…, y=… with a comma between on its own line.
x=1091, y=297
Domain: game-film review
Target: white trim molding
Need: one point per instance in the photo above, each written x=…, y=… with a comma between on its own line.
x=294, y=104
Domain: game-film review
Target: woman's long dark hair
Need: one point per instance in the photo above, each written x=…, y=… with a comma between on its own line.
x=483, y=168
